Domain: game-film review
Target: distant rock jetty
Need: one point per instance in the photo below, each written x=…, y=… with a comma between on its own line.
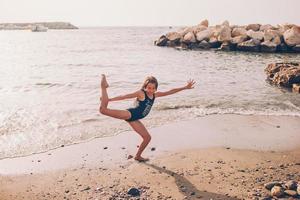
x=28, y=26
x=251, y=37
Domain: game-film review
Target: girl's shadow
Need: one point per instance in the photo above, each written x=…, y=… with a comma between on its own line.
x=188, y=189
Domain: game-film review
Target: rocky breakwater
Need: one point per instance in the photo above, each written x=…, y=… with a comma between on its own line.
x=28, y=26
x=284, y=74
x=251, y=37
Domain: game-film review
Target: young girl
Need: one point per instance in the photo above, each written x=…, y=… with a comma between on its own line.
x=144, y=100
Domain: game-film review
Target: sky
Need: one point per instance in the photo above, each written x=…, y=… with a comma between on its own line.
x=150, y=13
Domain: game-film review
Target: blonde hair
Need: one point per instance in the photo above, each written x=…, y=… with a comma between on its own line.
x=150, y=79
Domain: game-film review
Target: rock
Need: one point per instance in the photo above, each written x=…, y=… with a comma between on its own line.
x=198, y=29
x=226, y=23
x=296, y=88
x=284, y=27
x=204, y=35
x=292, y=36
x=227, y=46
x=105, y=147
x=257, y=35
x=174, y=36
x=268, y=46
x=283, y=47
x=204, y=45
x=133, y=192
x=266, y=27
x=238, y=32
x=162, y=41
x=214, y=43
x=189, y=38
x=254, y=27
x=239, y=39
x=185, y=30
x=296, y=48
x=291, y=185
x=290, y=193
x=273, y=36
x=298, y=189
x=225, y=34
x=277, y=191
x=249, y=45
x=204, y=23
x=283, y=74
x=153, y=149
x=270, y=185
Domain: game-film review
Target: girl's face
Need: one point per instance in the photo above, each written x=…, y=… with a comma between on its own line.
x=150, y=88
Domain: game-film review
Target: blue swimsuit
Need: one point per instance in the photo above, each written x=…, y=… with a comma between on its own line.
x=141, y=108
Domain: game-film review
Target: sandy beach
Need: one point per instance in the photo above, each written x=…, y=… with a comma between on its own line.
x=213, y=157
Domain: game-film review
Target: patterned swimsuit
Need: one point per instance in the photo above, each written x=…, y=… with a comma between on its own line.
x=141, y=108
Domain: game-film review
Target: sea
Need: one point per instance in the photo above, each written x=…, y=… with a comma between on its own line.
x=49, y=84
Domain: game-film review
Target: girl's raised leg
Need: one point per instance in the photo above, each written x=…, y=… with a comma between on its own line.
x=119, y=114
x=142, y=131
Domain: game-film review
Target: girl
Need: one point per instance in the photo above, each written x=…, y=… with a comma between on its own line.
x=144, y=100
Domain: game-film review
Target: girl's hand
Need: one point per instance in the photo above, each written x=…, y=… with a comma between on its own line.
x=190, y=84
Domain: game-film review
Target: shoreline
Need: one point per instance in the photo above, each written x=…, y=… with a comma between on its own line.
x=259, y=132
x=216, y=156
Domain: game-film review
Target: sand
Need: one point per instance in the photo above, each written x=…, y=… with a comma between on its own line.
x=213, y=157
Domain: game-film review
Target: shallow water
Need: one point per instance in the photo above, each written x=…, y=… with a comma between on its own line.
x=49, y=84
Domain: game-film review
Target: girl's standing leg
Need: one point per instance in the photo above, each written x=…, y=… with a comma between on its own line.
x=119, y=114
x=142, y=131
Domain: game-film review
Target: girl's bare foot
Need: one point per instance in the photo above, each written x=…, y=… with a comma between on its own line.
x=104, y=83
x=141, y=159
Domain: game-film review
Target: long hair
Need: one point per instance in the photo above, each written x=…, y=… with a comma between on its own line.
x=150, y=79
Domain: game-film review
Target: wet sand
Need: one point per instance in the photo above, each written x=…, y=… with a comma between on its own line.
x=217, y=156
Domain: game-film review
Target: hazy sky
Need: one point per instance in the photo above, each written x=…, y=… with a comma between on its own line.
x=150, y=12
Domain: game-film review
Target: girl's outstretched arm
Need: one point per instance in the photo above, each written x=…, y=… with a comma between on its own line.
x=126, y=96
x=189, y=85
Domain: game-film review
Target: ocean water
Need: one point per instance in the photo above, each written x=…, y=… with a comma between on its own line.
x=49, y=84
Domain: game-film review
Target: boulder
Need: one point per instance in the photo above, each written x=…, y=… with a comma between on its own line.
x=283, y=47
x=174, y=36
x=298, y=189
x=225, y=23
x=273, y=36
x=227, y=46
x=189, y=38
x=204, y=23
x=296, y=48
x=296, y=89
x=266, y=27
x=283, y=74
x=204, y=35
x=257, y=35
x=185, y=30
x=291, y=193
x=249, y=45
x=162, y=41
x=225, y=34
x=292, y=36
x=284, y=27
x=291, y=185
x=239, y=39
x=238, y=31
x=198, y=29
x=213, y=42
x=270, y=185
x=268, y=46
x=216, y=30
x=277, y=191
x=254, y=27
x=204, y=45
